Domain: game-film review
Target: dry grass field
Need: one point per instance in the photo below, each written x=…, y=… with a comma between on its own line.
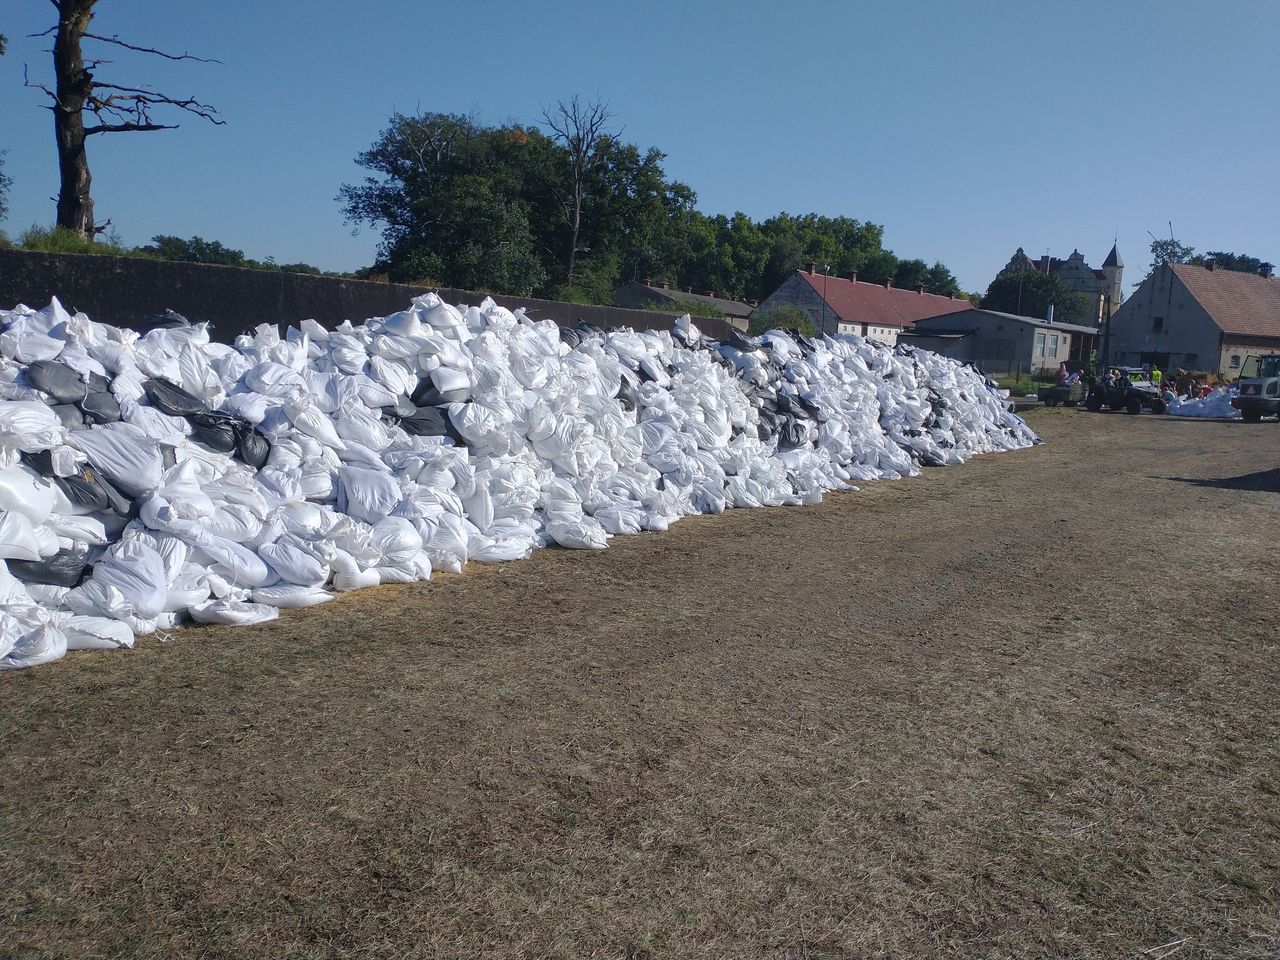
x=1026, y=707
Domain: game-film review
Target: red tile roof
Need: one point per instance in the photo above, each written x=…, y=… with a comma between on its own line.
x=1241, y=303
x=857, y=302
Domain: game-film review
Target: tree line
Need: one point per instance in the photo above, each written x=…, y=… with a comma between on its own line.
x=567, y=210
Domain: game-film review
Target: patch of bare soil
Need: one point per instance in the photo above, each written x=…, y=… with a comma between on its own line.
x=1025, y=707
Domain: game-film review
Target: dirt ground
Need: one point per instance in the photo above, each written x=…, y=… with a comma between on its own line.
x=1026, y=707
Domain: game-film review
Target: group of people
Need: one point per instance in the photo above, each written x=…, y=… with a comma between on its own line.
x=1186, y=387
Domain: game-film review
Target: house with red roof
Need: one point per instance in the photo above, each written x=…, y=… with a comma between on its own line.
x=878, y=311
x=1197, y=318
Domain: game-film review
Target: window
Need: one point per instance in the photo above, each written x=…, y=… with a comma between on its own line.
x=1157, y=324
x=1053, y=345
x=1040, y=346
x=1235, y=361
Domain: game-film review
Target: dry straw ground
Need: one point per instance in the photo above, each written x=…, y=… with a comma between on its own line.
x=1021, y=708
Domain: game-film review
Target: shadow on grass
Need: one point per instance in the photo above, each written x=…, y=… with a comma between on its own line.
x=1266, y=481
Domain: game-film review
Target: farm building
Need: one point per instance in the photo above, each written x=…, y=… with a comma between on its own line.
x=847, y=305
x=1003, y=342
x=1197, y=318
x=661, y=296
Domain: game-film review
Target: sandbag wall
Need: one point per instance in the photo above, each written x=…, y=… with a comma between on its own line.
x=156, y=479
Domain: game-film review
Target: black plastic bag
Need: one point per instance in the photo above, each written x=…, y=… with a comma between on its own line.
x=172, y=399
x=251, y=446
x=217, y=431
x=88, y=488
x=571, y=336
x=426, y=395
x=739, y=342
x=58, y=380
x=100, y=408
x=431, y=422
x=626, y=394
x=791, y=435
x=69, y=414
x=64, y=569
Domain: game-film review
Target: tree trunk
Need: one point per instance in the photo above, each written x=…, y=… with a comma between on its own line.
x=577, y=221
x=74, y=84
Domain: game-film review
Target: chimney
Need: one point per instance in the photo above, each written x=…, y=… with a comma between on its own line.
x=920, y=289
x=688, y=289
x=888, y=284
x=710, y=293
x=663, y=285
x=853, y=276
x=753, y=303
x=1209, y=265
x=811, y=268
x=1048, y=314
x=647, y=281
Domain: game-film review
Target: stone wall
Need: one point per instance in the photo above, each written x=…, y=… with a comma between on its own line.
x=125, y=291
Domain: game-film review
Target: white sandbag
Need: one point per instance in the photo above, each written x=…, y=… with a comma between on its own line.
x=29, y=425
x=27, y=493
x=367, y=495
x=18, y=539
x=347, y=575
x=96, y=633
x=288, y=596
x=137, y=572
x=29, y=647
x=237, y=613
x=131, y=461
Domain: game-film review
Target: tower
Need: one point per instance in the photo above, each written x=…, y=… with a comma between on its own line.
x=1113, y=278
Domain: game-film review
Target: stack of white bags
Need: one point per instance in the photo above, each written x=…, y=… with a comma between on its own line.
x=152, y=480
x=1213, y=406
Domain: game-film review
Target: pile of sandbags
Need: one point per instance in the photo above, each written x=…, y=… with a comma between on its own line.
x=150, y=480
x=1215, y=405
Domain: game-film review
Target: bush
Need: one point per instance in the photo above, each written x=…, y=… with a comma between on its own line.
x=783, y=317
x=62, y=240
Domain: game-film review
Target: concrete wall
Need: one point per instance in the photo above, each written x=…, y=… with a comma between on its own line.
x=124, y=291
x=1187, y=333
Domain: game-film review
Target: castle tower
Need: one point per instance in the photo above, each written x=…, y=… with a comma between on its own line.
x=1113, y=272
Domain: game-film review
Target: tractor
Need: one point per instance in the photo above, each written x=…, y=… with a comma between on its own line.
x=1260, y=395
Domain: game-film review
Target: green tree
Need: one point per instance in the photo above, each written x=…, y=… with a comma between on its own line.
x=457, y=203
x=785, y=316
x=1168, y=251
x=1239, y=262
x=194, y=250
x=1029, y=294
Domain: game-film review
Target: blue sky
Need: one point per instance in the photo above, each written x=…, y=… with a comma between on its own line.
x=967, y=129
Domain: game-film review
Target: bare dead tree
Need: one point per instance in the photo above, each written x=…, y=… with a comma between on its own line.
x=579, y=127
x=111, y=108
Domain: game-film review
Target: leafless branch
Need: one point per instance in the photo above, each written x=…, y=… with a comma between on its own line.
x=127, y=128
x=159, y=53
x=26, y=82
x=44, y=33
x=133, y=106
